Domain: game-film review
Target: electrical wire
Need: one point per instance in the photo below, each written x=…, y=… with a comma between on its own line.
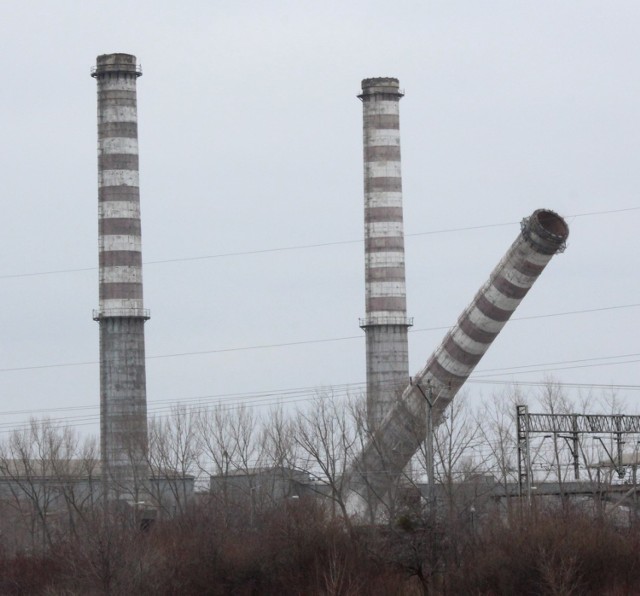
x=304, y=342
x=269, y=398
x=303, y=246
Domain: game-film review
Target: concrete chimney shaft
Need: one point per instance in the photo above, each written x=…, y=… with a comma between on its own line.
x=121, y=314
x=385, y=322
x=378, y=467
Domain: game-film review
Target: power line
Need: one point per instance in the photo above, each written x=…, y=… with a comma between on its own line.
x=283, y=399
x=218, y=398
x=86, y=420
x=589, y=213
x=303, y=246
x=570, y=385
x=223, y=401
x=305, y=342
x=568, y=367
x=575, y=312
x=580, y=361
x=267, y=398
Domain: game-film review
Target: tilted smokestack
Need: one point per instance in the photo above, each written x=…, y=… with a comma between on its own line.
x=385, y=322
x=121, y=315
x=379, y=466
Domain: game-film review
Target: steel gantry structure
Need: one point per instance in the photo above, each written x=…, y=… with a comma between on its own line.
x=569, y=427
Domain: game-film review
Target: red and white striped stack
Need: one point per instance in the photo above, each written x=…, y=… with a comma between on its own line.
x=385, y=321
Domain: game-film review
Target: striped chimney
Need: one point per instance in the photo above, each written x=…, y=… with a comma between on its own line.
x=379, y=466
x=385, y=323
x=121, y=314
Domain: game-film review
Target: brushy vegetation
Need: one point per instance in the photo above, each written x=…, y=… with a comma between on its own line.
x=57, y=539
x=297, y=548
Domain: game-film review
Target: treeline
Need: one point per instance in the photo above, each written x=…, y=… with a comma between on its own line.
x=247, y=531
x=298, y=548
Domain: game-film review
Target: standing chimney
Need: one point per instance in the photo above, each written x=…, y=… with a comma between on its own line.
x=121, y=315
x=385, y=323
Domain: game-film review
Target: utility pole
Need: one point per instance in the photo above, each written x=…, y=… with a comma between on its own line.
x=524, y=453
x=428, y=441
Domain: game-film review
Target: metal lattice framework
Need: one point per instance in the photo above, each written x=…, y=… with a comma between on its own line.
x=582, y=423
x=569, y=427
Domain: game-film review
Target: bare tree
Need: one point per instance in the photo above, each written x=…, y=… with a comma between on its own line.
x=326, y=434
x=174, y=452
x=280, y=454
x=27, y=467
x=456, y=443
x=229, y=444
x=278, y=444
x=76, y=470
x=110, y=555
x=554, y=400
x=496, y=426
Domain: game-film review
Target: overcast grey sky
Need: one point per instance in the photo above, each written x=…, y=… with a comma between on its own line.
x=250, y=140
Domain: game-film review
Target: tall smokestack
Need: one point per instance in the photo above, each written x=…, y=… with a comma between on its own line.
x=121, y=315
x=385, y=323
x=379, y=466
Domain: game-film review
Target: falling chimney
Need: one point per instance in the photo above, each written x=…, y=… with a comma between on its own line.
x=378, y=467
